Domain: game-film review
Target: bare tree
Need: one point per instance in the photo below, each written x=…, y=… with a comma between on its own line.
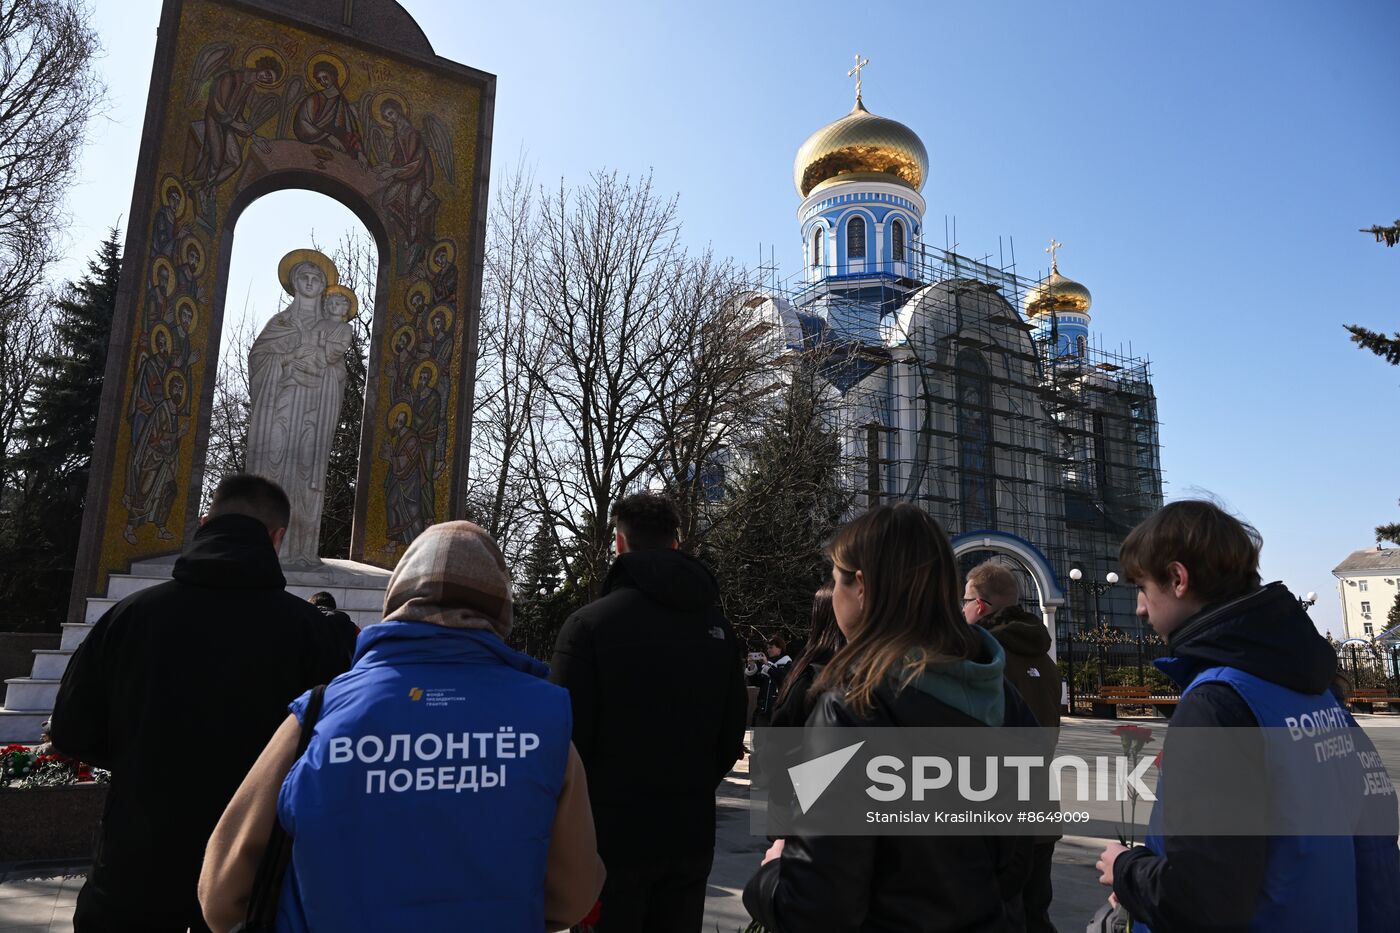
x=606, y=269
x=49, y=91
x=708, y=397
x=228, y=414
x=507, y=387
x=26, y=338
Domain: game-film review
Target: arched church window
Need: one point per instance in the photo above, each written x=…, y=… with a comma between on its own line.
x=975, y=456
x=817, y=247
x=1081, y=345
x=855, y=238
x=897, y=242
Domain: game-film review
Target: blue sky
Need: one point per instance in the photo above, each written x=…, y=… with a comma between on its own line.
x=1206, y=165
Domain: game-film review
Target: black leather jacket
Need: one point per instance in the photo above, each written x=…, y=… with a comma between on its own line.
x=909, y=884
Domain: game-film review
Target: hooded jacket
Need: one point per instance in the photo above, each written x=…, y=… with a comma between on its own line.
x=913, y=884
x=1029, y=666
x=439, y=789
x=176, y=689
x=1260, y=651
x=653, y=670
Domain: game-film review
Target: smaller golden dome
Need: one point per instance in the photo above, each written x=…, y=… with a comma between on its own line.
x=861, y=145
x=1056, y=293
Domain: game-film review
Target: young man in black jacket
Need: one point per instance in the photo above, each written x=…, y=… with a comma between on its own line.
x=1246, y=656
x=655, y=747
x=176, y=690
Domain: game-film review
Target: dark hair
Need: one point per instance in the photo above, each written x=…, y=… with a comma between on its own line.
x=823, y=641
x=777, y=641
x=911, y=617
x=268, y=63
x=323, y=600
x=253, y=496
x=1220, y=552
x=649, y=522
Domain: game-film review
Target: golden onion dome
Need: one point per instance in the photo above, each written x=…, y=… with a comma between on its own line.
x=1056, y=293
x=861, y=145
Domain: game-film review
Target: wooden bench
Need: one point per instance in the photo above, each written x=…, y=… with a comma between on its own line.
x=1105, y=705
x=1368, y=697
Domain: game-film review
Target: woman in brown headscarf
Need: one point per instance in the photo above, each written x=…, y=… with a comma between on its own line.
x=440, y=789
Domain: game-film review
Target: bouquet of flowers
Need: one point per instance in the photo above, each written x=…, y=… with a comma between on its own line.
x=16, y=761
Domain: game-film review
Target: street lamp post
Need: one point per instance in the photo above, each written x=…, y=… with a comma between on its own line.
x=1098, y=588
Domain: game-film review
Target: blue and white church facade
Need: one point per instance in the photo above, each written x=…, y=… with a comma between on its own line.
x=959, y=386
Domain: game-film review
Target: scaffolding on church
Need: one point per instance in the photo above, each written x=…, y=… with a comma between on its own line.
x=951, y=399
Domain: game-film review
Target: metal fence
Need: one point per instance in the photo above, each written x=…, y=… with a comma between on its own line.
x=1108, y=657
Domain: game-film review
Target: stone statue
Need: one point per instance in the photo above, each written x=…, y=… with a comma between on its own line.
x=296, y=374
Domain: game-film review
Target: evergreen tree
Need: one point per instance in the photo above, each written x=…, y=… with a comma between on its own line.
x=1393, y=619
x=338, y=513
x=39, y=539
x=786, y=503
x=1388, y=349
x=543, y=597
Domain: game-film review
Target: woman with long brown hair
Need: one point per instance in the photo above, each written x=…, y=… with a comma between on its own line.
x=910, y=660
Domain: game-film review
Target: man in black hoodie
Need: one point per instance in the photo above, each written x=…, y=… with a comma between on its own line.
x=176, y=690
x=656, y=742
x=991, y=599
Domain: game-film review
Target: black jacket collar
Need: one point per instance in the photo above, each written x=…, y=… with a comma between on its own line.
x=231, y=552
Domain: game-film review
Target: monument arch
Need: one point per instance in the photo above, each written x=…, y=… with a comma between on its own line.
x=249, y=97
x=1030, y=558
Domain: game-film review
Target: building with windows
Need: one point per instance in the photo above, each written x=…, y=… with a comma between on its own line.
x=959, y=385
x=1368, y=582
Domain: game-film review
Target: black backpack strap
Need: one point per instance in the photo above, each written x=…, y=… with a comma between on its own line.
x=267, y=884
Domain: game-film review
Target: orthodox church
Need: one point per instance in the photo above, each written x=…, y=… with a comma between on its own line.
x=959, y=385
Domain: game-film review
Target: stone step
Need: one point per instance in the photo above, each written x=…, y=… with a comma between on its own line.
x=73, y=634
x=96, y=606
x=16, y=726
x=31, y=694
x=50, y=664
x=120, y=586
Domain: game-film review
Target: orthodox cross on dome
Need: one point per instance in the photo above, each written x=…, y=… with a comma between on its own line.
x=1054, y=261
x=855, y=73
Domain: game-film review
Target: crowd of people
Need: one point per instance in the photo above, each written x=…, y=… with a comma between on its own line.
x=272, y=770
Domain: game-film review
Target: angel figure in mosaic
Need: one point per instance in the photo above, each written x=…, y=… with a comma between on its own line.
x=407, y=160
x=237, y=102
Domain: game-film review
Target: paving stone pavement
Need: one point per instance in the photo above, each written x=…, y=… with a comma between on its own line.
x=40, y=898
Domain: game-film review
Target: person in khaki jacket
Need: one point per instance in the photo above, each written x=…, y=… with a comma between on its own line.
x=991, y=599
x=440, y=789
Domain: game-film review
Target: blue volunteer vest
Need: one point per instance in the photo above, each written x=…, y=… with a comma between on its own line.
x=1312, y=883
x=426, y=798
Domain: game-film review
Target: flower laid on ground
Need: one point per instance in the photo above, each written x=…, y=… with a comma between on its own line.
x=22, y=767
x=1134, y=738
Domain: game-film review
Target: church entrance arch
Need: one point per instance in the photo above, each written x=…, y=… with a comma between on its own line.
x=347, y=99
x=1030, y=559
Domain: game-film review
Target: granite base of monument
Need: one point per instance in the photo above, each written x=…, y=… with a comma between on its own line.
x=49, y=823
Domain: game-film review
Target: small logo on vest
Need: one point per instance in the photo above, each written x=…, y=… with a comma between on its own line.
x=1032, y=672
x=415, y=694
x=717, y=632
